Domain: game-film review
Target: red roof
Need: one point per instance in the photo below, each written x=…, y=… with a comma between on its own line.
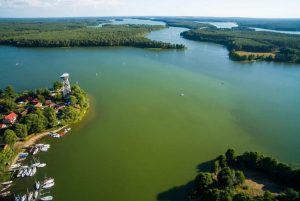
x=11, y=117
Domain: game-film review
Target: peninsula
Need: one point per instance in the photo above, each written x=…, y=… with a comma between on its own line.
x=30, y=115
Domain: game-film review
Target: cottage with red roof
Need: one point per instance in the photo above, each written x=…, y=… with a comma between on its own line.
x=10, y=118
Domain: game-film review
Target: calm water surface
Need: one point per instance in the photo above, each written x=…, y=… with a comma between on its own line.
x=140, y=137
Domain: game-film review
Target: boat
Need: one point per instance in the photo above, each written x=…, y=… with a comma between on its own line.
x=17, y=198
x=33, y=172
x=15, y=166
x=21, y=159
x=39, y=145
x=24, y=173
x=37, y=185
x=5, y=188
x=4, y=194
x=47, y=181
x=23, y=198
x=42, y=165
x=35, y=164
x=48, y=185
x=35, y=151
x=46, y=146
x=35, y=195
x=30, y=196
x=7, y=183
x=44, y=149
x=47, y=198
x=29, y=172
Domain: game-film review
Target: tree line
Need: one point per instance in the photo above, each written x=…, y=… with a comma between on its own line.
x=286, y=47
x=63, y=34
x=224, y=182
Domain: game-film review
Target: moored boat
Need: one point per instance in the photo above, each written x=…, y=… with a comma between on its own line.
x=5, y=194
x=42, y=165
x=48, y=185
x=7, y=183
x=37, y=185
x=47, y=198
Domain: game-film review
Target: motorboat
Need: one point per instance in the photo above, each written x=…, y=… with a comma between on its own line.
x=23, y=155
x=37, y=185
x=7, y=183
x=35, y=195
x=44, y=149
x=17, y=198
x=48, y=185
x=23, y=198
x=29, y=172
x=5, y=188
x=4, y=194
x=33, y=172
x=35, y=151
x=42, y=165
x=46, y=146
x=15, y=166
x=47, y=181
x=35, y=164
x=30, y=196
x=47, y=198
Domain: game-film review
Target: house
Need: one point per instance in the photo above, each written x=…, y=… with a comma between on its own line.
x=3, y=126
x=10, y=118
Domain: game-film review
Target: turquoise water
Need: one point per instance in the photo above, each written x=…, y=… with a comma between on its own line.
x=141, y=137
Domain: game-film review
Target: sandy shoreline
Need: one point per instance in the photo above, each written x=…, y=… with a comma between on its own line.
x=20, y=145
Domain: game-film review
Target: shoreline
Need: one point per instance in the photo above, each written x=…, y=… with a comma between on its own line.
x=18, y=146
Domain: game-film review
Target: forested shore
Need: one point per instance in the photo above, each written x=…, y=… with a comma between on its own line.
x=78, y=34
x=227, y=181
x=284, y=47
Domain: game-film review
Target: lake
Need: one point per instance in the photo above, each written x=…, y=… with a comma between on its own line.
x=141, y=138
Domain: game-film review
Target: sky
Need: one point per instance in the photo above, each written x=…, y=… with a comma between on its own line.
x=216, y=8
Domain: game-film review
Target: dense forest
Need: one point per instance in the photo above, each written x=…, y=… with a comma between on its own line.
x=275, y=24
x=72, y=32
x=228, y=182
x=285, y=47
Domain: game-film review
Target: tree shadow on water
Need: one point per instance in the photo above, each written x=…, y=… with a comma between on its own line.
x=178, y=193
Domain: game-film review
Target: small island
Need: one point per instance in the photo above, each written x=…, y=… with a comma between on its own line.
x=232, y=179
x=28, y=116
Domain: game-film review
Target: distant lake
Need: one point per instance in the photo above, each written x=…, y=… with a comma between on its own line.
x=222, y=25
x=140, y=137
x=133, y=21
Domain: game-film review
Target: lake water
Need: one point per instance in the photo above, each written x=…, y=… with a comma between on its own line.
x=141, y=138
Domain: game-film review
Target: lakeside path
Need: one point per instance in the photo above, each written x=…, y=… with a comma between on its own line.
x=20, y=145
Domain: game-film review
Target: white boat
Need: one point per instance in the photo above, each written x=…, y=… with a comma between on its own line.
x=35, y=195
x=47, y=181
x=33, y=171
x=7, y=183
x=14, y=166
x=23, y=198
x=35, y=151
x=35, y=164
x=39, y=145
x=42, y=165
x=30, y=195
x=17, y=198
x=29, y=172
x=47, y=198
x=44, y=149
x=24, y=173
x=55, y=135
x=4, y=194
x=48, y=185
x=25, y=167
x=46, y=146
x=37, y=185
x=5, y=188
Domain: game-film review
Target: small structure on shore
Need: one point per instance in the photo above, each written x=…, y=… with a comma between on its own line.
x=66, y=90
